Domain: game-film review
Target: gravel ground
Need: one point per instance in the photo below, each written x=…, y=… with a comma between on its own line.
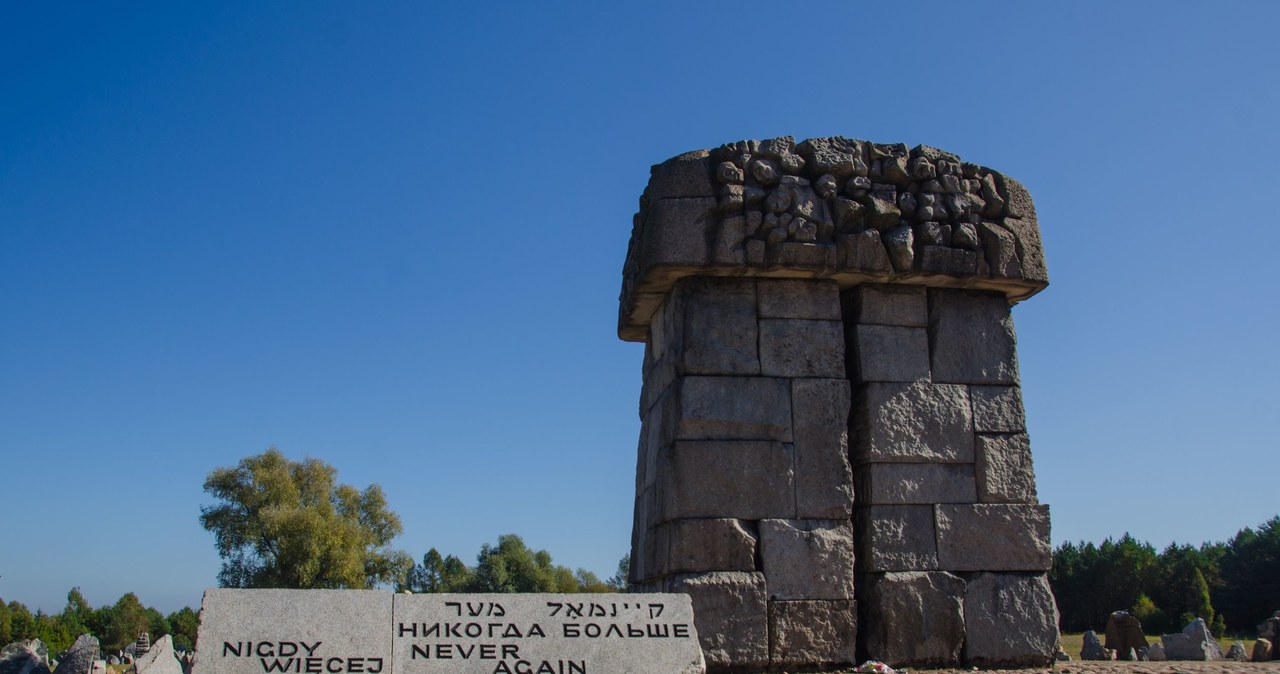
x=1180, y=667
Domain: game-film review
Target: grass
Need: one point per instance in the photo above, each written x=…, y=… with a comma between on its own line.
x=1072, y=643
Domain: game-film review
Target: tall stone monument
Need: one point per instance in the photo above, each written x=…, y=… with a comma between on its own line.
x=833, y=458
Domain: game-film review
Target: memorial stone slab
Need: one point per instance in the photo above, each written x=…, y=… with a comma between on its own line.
x=544, y=633
x=370, y=632
x=295, y=632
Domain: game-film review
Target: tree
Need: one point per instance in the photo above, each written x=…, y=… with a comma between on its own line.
x=509, y=566
x=22, y=625
x=1251, y=576
x=6, y=624
x=128, y=620
x=184, y=623
x=622, y=577
x=438, y=574
x=281, y=523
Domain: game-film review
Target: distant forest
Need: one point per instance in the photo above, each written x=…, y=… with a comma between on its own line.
x=116, y=625
x=1233, y=585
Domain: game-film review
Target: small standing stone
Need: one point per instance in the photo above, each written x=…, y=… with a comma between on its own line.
x=1092, y=648
x=80, y=657
x=1237, y=652
x=1156, y=652
x=24, y=657
x=1262, y=650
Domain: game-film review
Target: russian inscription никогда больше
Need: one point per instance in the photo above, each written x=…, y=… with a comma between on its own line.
x=370, y=632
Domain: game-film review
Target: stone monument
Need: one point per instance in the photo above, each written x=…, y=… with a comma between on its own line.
x=833, y=459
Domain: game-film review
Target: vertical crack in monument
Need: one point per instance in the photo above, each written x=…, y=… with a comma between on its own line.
x=833, y=459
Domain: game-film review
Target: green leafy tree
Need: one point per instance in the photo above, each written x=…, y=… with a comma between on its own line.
x=77, y=613
x=622, y=577
x=438, y=574
x=511, y=566
x=22, y=624
x=54, y=631
x=281, y=523
x=6, y=624
x=1151, y=616
x=129, y=619
x=184, y=623
x=157, y=624
x=1250, y=567
x=100, y=620
x=1090, y=582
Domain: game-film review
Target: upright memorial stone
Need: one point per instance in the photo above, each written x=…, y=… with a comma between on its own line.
x=830, y=369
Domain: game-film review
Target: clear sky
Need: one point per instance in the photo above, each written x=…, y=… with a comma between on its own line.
x=390, y=236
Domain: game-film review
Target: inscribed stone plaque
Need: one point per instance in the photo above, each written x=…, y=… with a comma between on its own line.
x=370, y=632
x=295, y=632
x=545, y=634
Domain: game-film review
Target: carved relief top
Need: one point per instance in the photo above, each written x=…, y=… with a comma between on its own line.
x=840, y=208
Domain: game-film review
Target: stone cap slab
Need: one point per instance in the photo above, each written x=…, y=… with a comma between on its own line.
x=372, y=632
x=839, y=208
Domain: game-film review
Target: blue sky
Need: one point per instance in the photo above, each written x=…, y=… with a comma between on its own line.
x=390, y=236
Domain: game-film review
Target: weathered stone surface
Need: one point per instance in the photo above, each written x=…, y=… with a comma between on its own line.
x=864, y=252
x=734, y=408
x=713, y=327
x=25, y=657
x=912, y=422
x=993, y=537
x=80, y=657
x=997, y=409
x=1092, y=648
x=702, y=545
x=895, y=538
x=1003, y=468
x=881, y=304
x=1262, y=650
x=738, y=210
x=685, y=176
x=1124, y=634
x=1193, y=643
x=890, y=353
x=800, y=348
x=971, y=337
x=1237, y=652
x=900, y=242
x=915, y=483
x=1155, y=652
x=676, y=231
x=796, y=298
x=1269, y=629
x=811, y=634
x=1010, y=620
x=807, y=559
x=1000, y=249
x=742, y=479
x=340, y=620
x=731, y=616
x=952, y=261
x=1021, y=219
x=159, y=659
x=824, y=482
x=914, y=618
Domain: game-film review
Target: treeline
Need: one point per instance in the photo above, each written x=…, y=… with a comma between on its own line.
x=509, y=566
x=115, y=626
x=1233, y=585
